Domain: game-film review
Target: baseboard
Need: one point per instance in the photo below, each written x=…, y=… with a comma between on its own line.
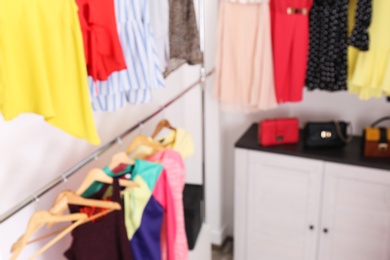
x=219, y=248
x=218, y=236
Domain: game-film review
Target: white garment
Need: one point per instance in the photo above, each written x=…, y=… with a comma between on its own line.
x=159, y=22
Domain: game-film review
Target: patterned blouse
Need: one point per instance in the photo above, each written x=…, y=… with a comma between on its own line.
x=327, y=66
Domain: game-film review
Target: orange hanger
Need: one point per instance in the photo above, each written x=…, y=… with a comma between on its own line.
x=143, y=140
x=164, y=123
x=120, y=158
x=37, y=221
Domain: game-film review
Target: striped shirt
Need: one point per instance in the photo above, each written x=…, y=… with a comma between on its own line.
x=143, y=74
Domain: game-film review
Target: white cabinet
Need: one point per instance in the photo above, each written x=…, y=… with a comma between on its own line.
x=293, y=208
x=356, y=214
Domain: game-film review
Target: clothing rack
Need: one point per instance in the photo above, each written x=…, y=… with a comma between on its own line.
x=64, y=177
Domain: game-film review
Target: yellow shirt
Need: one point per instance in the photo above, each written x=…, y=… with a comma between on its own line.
x=42, y=65
x=369, y=72
x=178, y=140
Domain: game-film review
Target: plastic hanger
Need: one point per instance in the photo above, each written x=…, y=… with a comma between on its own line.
x=37, y=221
x=164, y=123
x=143, y=140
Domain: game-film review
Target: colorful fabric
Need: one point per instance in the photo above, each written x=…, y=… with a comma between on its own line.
x=175, y=171
x=102, y=48
x=42, y=65
x=135, y=201
x=145, y=243
x=163, y=194
x=143, y=74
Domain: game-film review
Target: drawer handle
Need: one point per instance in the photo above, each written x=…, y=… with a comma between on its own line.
x=311, y=227
x=326, y=230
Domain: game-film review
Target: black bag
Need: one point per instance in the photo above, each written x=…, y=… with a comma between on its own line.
x=326, y=134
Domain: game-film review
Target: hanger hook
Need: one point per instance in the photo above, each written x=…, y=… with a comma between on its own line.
x=35, y=198
x=64, y=179
x=119, y=141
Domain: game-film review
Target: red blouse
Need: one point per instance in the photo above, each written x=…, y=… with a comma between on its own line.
x=103, y=51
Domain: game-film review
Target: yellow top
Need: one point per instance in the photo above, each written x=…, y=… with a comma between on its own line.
x=369, y=72
x=178, y=140
x=42, y=65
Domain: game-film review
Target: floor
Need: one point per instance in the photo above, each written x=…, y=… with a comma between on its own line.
x=225, y=252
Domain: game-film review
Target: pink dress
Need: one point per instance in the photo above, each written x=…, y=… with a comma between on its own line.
x=244, y=66
x=175, y=172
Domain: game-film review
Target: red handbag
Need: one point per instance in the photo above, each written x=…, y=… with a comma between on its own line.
x=278, y=131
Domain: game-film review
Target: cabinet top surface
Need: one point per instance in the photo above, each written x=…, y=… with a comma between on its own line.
x=351, y=154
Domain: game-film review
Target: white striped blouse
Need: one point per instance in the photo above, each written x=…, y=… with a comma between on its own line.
x=143, y=74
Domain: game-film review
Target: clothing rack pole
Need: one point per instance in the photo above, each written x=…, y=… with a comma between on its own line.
x=71, y=171
x=202, y=28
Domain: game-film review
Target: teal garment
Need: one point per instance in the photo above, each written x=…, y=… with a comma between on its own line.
x=97, y=186
x=149, y=171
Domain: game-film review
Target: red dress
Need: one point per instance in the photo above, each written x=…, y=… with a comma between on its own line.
x=103, y=51
x=290, y=40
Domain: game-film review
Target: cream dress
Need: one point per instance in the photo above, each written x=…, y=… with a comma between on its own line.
x=244, y=65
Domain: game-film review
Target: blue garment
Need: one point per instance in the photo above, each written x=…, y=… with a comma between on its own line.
x=146, y=242
x=143, y=74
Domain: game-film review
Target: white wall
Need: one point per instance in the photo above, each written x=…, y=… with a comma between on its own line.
x=317, y=105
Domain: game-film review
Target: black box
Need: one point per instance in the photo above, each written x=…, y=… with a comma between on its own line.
x=192, y=199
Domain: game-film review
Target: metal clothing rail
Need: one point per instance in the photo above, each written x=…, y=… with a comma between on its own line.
x=64, y=177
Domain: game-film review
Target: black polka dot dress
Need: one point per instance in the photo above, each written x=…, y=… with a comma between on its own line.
x=327, y=65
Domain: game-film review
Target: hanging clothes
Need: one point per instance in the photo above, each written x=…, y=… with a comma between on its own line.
x=155, y=176
x=103, y=238
x=327, y=65
x=143, y=218
x=42, y=65
x=290, y=36
x=159, y=21
x=143, y=74
x=175, y=170
x=369, y=71
x=184, y=43
x=103, y=50
x=244, y=67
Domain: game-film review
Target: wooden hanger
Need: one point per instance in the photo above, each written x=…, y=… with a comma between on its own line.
x=120, y=158
x=37, y=221
x=64, y=198
x=143, y=140
x=69, y=197
x=98, y=175
x=164, y=123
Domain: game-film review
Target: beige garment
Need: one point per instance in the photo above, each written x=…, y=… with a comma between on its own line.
x=244, y=65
